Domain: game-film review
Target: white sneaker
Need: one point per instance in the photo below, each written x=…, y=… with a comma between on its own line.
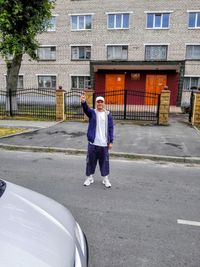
x=106, y=182
x=88, y=181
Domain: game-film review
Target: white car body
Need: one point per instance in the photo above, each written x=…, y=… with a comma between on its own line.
x=36, y=231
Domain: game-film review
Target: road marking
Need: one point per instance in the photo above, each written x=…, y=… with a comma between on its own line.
x=193, y=223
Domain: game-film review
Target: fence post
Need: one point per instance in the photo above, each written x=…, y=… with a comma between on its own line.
x=164, y=107
x=191, y=106
x=196, y=110
x=60, y=104
x=125, y=103
x=10, y=102
x=89, y=93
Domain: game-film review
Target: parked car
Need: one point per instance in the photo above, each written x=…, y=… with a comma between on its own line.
x=36, y=231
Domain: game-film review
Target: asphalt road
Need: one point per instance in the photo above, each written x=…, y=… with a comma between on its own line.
x=133, y=224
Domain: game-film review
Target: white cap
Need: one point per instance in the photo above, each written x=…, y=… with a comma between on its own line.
x=100, y=98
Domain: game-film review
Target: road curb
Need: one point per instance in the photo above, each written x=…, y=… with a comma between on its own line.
x=136, y=156
x=116, y=155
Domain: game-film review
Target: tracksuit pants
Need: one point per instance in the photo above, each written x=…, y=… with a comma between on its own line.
x=100, y=154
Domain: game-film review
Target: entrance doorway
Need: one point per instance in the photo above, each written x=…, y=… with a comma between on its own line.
x=114, y=83
x=154, y=84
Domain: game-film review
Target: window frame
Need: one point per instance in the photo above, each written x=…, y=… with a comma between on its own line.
x=85, y=52
x=20, y=80
x=193, y=45
x=190, y=82
x=115, y=46
x=197, y=16
x=20, y=77
x=47, y=75
x=115, y=14
x=47, y=47
x=52, y=29
x=156, y=45
x=78, y=76
x=154, y=13
x=78, y=22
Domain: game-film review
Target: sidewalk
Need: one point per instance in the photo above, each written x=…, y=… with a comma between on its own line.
x=26, y=124
x=176, y=142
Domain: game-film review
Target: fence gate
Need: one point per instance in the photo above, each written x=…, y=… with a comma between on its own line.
x=73, y=109
x=132, y=105
x=124, y=105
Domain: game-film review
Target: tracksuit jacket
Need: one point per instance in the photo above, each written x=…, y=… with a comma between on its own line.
x=91, y=133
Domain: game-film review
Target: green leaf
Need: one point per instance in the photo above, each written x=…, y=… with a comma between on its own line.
x=20, y=24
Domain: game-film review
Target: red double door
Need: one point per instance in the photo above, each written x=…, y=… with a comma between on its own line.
x=116, y=83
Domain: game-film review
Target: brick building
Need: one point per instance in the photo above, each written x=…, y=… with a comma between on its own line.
x=116, y=45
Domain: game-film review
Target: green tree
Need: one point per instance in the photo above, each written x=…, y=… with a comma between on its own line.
x=20, y=23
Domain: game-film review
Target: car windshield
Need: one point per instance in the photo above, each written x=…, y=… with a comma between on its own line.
x=2, y=187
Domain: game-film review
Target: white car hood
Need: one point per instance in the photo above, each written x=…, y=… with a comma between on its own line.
x=35, y=231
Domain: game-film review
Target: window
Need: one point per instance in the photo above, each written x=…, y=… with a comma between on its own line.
x=80, y=52
x=81, y=22
x=194, y=20
x=158, y=20
x=47, y=53
x=191, y=83
x=53, y=24
x=117, y=52
x=193, y=52
x=118, y=21
x=80, y=82
x=46, y=81
x=20, y=82
x=156, y=52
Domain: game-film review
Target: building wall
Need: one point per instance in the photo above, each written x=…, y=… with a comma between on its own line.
x=177, y=36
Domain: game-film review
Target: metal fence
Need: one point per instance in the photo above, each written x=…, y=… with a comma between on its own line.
x=191, y=106
x=124, y=105
x=32, y=102
x=132, y=105
x=73, y=109
x=3, y=98
x=41, y=103
x=187, y=103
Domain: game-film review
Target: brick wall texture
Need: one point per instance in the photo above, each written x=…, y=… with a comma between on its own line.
x=60, y=107
x=164, y=107
x=196, y=110
x=177, y=36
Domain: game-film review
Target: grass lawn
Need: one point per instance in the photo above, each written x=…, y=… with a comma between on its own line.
x=4, y=131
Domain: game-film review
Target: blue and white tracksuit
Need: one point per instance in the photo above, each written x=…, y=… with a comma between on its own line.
x=97, y=153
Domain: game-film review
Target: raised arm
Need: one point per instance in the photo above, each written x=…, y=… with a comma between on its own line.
x=86, y=109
